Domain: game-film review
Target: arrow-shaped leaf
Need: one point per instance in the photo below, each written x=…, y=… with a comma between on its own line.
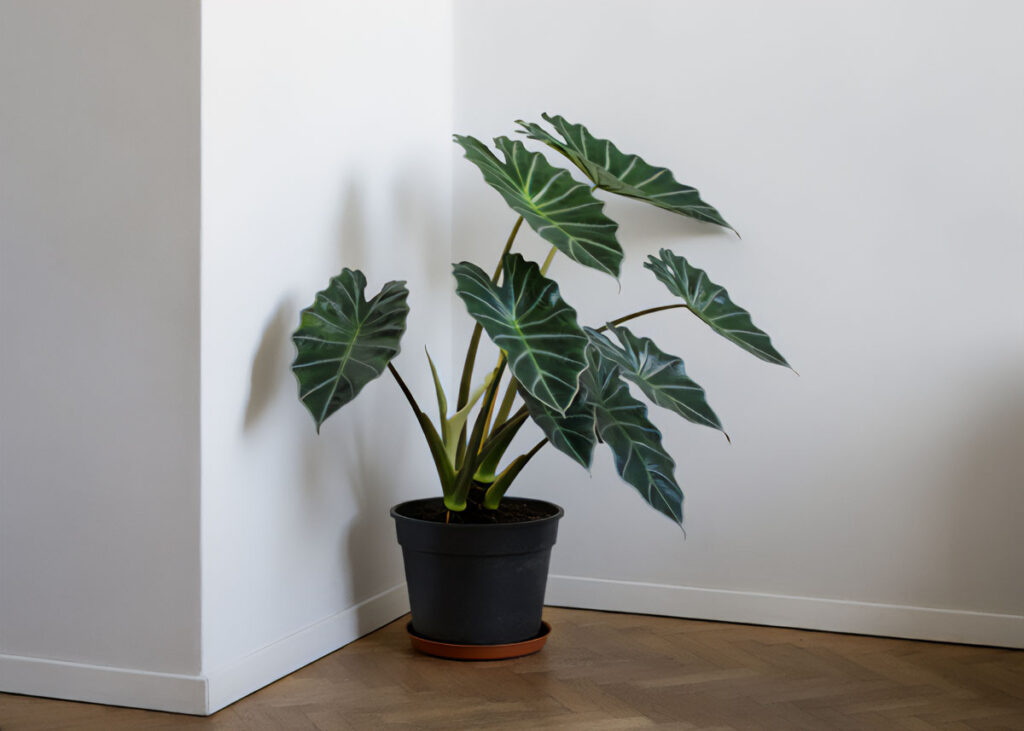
x=711, y=303
x=562, y=210
x=662, y=377
x=617, y=172
x=528, y=319
x=635, y=442
x=344, y=342
x=573, y=432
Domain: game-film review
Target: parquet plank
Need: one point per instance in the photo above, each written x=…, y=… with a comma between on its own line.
x=612, y=672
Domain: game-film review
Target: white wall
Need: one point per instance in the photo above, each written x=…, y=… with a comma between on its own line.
x=99, y=314
x=325, y=144
x=869, y=153
x=324, y=132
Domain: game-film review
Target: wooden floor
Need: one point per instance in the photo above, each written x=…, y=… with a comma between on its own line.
x=603, y=671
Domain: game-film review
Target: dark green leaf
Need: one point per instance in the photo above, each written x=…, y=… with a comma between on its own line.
x=635, y=442
x=573, y=432
x=528, y=319
x=623, y=174
x=344, y=342
x=662, y=377
x=711, y=303
x=562, y=210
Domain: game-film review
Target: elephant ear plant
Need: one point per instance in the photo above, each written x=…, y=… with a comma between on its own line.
x=574, y=382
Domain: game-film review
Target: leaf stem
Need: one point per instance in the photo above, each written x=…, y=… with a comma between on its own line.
x=522, y=411
x=471, y=460
x=474, y=344
x=506, y=402
x=508, y=248
x=490, y=410
x=445, y=471
x=641, y=313
x=405, y=389
x=548, y=260
x=494, y=494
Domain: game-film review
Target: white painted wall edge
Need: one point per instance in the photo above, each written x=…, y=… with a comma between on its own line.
x=252, y=672
x=201, y=694
x=777, y=610
x=99, y=684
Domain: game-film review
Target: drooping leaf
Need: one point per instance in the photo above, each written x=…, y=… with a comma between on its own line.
x=562, y=210
x=662, y=377
x=344, y=342
x=635, y=442
x=571, y=433
x=711, y=303
x=617, y=172
x=527, y=318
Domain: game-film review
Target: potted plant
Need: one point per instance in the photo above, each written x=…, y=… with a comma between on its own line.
x=476, y=561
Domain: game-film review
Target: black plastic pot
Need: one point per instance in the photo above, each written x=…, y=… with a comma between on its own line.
x=476, y=584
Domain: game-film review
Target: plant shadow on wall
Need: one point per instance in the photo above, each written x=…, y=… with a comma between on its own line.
x=572, y=382
x=270, y=362
x=414, y=237
x=361, y=459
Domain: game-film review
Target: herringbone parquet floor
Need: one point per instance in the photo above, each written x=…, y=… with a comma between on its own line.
x=604, y=672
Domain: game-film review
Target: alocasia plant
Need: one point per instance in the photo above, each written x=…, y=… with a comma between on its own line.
x=573, y=381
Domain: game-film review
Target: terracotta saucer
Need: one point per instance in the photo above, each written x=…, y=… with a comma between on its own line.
x=479, y=652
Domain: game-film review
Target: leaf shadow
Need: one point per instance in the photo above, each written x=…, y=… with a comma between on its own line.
x=268, y=363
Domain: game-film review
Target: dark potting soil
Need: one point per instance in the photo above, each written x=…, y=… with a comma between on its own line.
x=511, y=510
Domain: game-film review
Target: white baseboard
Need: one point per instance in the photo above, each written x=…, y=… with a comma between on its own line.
x=97, y=684
x=250, y=673
x=206, y=694
x=887, y=620
x=200, y=694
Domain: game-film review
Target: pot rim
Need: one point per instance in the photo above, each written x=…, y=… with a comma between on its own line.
x=558, y=515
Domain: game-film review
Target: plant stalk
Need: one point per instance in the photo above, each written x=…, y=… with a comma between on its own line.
x=506, y=403
x=510, y=390
x=474, y=344
x=508, y=247
x=641, y=313
x=405, y=389
x=471, y=458
x=547, y=262
x=445, y=471
x=494, y=494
